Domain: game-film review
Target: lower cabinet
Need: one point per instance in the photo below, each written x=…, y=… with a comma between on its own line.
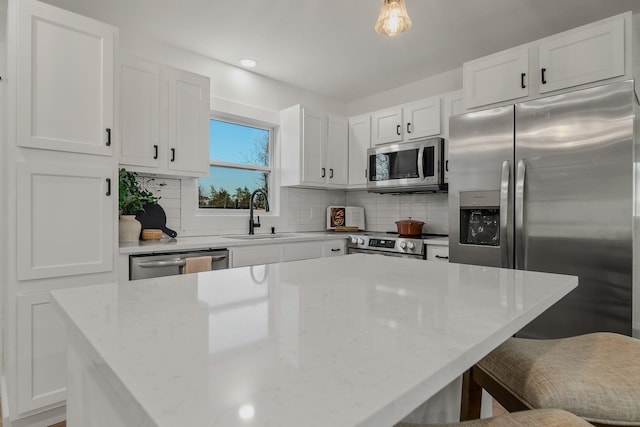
x=438, y=253
x=41, y=354
x=266, y=254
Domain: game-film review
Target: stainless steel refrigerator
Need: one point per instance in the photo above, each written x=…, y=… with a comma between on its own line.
x=548, y=185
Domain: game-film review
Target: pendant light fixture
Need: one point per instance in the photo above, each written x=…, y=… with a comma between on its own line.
x=393, y=18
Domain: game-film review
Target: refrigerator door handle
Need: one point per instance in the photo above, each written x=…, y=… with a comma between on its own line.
x=507, y=250
x=519, y=223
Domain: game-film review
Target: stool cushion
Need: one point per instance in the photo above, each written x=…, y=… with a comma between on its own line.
x=538, y=418
x=595, y=376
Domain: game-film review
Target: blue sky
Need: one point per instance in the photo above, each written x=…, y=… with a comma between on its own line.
x=232, y=143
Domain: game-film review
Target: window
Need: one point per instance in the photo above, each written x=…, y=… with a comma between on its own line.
x=240, y=163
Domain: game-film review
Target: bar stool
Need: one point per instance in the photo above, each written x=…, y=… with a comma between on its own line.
x=594, y=376
x=537, y=418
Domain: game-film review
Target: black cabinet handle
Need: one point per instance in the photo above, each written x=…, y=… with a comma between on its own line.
x=442, y=257
x=398, y=130
x=155, y=148
x=108, y=187
x=324, y=172
x=544, y=79
x=108, y=137
x=335, y=250
x=330, y=173
x=522, y=76
x=408, y=127
x=446, y=165
x=173, y=154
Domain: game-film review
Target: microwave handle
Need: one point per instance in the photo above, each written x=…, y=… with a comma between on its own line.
x=420, y=162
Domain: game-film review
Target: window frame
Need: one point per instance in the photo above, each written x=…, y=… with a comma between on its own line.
x=248, y=122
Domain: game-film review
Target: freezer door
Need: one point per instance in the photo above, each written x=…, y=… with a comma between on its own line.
x=481, y=172
x=574, y=205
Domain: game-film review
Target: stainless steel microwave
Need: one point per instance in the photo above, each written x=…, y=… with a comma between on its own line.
x=412, y=167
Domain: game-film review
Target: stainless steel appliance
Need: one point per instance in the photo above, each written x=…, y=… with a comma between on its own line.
x=548, y=185
x=146, y=266
x=387, y=244
x=408, y=167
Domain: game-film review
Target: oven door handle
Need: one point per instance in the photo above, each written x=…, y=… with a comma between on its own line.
x=420, y=163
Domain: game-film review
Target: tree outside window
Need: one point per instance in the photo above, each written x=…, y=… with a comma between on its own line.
x=240, y=163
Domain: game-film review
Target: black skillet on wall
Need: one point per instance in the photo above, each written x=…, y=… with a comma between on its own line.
x=154, y=216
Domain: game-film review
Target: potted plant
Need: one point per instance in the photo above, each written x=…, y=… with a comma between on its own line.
x=132, y=198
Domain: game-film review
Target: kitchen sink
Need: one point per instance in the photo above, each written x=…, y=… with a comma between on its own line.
x=260, y=236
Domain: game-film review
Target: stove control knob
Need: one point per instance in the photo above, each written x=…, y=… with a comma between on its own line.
x=354, y=240
x=403, y=245
x=361, y=241
x=410, y=245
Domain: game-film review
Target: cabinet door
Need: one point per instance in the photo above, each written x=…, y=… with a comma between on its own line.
x=387, y=126
x=64, y=80
x=241, y=257
x=139, y=114
x=422, y=118
x=314, y=135
x=437, y=253
x=359, y=143
x=65, y=226
x=298, y=251
x=187, y=122
x=337, y=150
x=495, y=78
x=453, y=105
x=41, y=353
x=582, y=56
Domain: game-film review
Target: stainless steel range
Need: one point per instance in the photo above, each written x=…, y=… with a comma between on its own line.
x=386, y=244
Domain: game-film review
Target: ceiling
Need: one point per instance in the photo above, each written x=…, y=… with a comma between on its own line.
x=330, y=47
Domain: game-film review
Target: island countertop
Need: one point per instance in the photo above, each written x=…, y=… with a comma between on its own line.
x=358, y=340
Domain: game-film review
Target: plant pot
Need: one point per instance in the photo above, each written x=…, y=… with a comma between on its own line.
x=409, y=227
x=129, y=229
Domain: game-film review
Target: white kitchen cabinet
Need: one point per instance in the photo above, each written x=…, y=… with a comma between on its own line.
x=452, y=105
x=582, y=56
x=140, y=142
x=359, y=143
x=41, y=353
x=255, y=255
x=498, y=77
x=334, y=248
x=303, y=250
x=66, y=221
x=438, y=253
x=585, y=55
x=406, y=122
x=165, y=119
x=65, y=69
x=314, y=148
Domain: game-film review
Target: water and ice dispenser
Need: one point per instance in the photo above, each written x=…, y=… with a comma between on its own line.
x=480, y=218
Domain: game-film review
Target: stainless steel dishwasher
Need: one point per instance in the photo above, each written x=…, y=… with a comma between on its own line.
x=146, y=266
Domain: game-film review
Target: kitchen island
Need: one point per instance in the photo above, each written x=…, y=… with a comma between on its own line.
x=359, y=340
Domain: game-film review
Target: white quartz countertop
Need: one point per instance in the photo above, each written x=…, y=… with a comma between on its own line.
x=200, y=242
x=357, y=340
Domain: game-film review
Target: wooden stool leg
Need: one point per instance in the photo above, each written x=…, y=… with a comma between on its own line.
x=471, y=398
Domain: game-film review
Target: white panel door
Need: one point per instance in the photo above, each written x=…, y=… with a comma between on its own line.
x=337, y=150
x=140, y=143
x=582, y=56
x=188, y=122
x=495, y=78
x=359, y=143
x=41, y=353
x=386, y=126
x=314, y=136
x=64, y=80
x=422, y=118
x=65, y=221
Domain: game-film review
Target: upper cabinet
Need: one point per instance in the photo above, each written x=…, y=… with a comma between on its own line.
x=314, y=148
x=584, y=55
x=65, y=100
x=164, y=118
x=407, y=122
x=359, y=143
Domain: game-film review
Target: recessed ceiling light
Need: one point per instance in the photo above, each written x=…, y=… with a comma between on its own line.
x=249, y=63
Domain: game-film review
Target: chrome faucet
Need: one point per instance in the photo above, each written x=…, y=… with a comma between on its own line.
x=253, y=224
